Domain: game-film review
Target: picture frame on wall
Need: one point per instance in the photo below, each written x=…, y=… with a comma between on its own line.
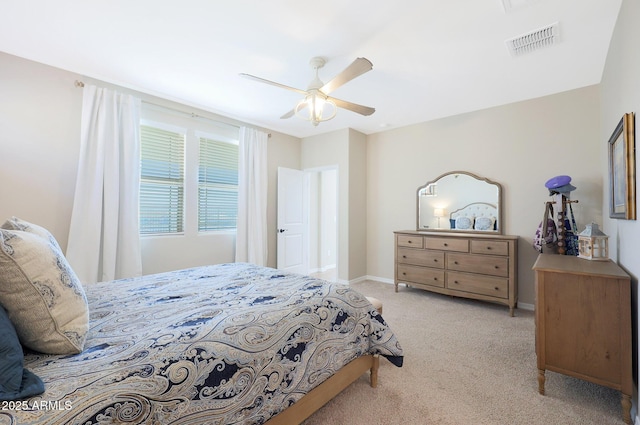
x=622, y=169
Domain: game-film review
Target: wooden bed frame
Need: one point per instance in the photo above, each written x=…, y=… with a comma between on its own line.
x=324, y=392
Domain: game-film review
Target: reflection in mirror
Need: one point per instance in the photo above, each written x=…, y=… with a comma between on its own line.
x=460, y=201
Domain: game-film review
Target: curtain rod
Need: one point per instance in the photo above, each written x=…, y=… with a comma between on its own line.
x=79, y=83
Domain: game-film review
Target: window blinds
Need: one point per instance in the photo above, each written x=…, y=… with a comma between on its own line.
x=161, y=181
x=217, y=185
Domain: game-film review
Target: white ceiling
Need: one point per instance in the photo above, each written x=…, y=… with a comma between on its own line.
x=431, y=58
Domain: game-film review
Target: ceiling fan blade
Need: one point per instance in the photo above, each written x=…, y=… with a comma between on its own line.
x=273, y=83
x=357, y=68
x=288, y=114
x=360, y=109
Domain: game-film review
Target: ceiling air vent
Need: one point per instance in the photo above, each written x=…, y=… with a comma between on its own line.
x=533, y=40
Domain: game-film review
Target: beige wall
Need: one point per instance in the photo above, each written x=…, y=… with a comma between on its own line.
x=40, y=111
x=346, y=150
x=357, y=205
x=39, y=143
x=620, y=93
x=520, y=145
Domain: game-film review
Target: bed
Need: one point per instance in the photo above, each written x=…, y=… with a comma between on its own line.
x=479, y=216
x=221, y=344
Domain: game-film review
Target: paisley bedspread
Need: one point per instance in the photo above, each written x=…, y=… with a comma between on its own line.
x=224, y=344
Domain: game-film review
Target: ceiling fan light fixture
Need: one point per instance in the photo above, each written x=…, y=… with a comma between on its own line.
x=319, y=108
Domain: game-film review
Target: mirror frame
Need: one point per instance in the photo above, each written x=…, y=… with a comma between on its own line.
x=499, y=218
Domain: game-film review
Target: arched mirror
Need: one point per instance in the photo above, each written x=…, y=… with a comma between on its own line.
x=462, y=202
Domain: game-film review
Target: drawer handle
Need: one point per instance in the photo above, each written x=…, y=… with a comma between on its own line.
x=404, y=273
x=404, y=256
x=445, y=244
x=455, y=262
x=496, y=288
x=456, y=282
x=435, y=278
x=410, y=241
x=435, y=260
x=496, y=267
x=489, y=248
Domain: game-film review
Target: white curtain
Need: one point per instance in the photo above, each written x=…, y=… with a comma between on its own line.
x=104, y=241
x=251, y=237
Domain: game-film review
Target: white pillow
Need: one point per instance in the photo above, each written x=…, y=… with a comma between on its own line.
x=42, y=295
x=484, y=223
x=464, y=223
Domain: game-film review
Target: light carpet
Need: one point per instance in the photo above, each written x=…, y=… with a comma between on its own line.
x=466, y=362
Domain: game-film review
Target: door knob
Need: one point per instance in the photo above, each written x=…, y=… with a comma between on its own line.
x=282, y=230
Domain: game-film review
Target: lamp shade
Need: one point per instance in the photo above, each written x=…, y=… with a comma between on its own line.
x=438, y=212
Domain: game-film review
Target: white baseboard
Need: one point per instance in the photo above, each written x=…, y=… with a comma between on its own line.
x=329, y=267
x=375, y=278
x=363, y=278
x=321, y=269
x=526, y=306
x=523, y=306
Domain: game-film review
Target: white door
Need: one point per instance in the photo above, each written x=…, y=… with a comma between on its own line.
x=293, y=232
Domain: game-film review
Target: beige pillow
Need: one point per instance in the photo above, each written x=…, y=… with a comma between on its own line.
x=42, y=295
x=15, y=223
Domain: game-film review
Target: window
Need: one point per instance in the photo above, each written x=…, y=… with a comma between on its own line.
x=217, y=185
x=161, y=181
x=189, y=174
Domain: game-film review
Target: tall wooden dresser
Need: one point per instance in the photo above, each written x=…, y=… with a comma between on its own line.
x=481, y=266
x=583, y=322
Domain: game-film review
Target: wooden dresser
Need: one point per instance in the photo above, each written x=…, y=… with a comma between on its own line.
x=583, y=322
x=480, y=266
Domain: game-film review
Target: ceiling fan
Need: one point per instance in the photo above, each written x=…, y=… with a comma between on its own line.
x=321, y=106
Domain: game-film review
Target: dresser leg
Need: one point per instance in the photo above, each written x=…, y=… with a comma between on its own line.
x=541, y=380
x=396, y=283
x=511, y=310
x=626, y=408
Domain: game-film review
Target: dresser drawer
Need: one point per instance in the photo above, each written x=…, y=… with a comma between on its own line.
x=484, y=264
x=410, y=241
x=421, y=257
x=473, y=283
x=469, y=265
x=446, y=244
x=490, y=247
x=421, y=275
